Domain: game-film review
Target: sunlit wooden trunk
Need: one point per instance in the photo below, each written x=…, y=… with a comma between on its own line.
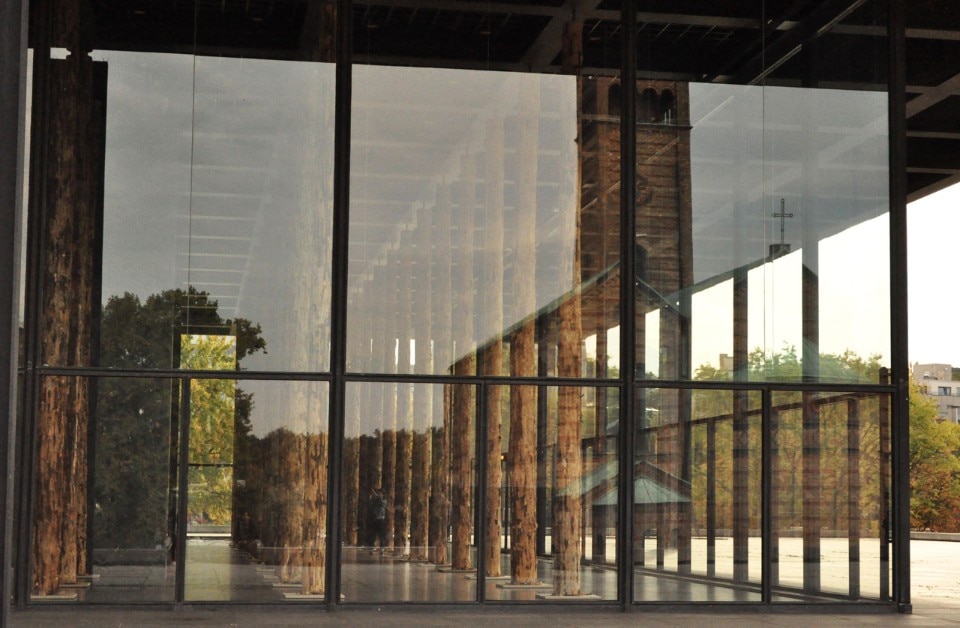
x=567, y=505
x=71, y=221
x=522, y=459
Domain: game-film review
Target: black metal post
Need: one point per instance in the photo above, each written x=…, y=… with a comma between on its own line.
x=898, y=300
x=766, y=502
x=711, y=497
x=183, y=487
x=338, y=326
x=628, y=305
x=853, y=495
x=13, y=85
x=480, y=451
x=544, y=328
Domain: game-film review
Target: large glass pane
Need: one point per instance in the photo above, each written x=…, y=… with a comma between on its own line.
x=831, y=474
x=697, y=510
x=762, y=187
x=105, y=517
x=257, y=490
x=485, y=201
x=409, y=485
x=196, y=196
x=552, y=493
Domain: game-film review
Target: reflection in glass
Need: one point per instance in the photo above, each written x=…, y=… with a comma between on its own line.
x=557, y=508
x=468, y=217
x=105, y=520
x=216, y=195
x=697, y=508
x=257, y=502
x=831, y=490
x=409, y=478
x=787, y=205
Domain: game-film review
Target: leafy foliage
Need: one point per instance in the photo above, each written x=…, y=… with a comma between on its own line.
x=934, y=467
x=136, y=429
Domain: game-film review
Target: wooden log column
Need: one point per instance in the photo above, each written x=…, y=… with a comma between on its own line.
x=71, y=223
x=464, y=394
x=404, y=479
x=492, y=357
x=853, y=496
x=522, y=458
x=305, y=531
x=351, y=469
x=388, y=480
x=443, y=357
x=423, y=393
x=741, y=435
x=567, y=504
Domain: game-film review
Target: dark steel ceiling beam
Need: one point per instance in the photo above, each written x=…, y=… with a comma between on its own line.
x=768, y=58
x=546, y=46
x=934, y=95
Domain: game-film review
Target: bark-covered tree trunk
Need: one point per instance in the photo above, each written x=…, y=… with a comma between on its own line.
x=389, y=448
x=404, y=409
x=441, y=287
x=290, y=494
x=423, y=396
x=464, y=394
x=440, y=496
x=74, y=168
x=315, y=507
x=741, y=437
x=567, y=505
x=351, y=470
x=492, y=356
x=305, y=546
x=522, y=460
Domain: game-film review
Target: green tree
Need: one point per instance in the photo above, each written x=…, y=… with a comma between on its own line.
x=934, y=466
x=212, y=426
x=136, y=418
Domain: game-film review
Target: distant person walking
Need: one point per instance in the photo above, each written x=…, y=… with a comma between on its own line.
x=378, y=518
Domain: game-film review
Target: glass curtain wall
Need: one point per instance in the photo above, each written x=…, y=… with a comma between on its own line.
x=179, y=302
x=181, y=216
x=762, y=247
x=484, y=245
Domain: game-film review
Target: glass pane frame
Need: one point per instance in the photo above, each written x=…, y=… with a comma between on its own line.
x=552, y=500
x=410, y=481
x=124, y=508
x=831, y=486
x=264, y=537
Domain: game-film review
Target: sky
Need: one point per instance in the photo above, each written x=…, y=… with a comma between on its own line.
x=933, y=228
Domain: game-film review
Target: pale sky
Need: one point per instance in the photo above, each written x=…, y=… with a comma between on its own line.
x=933, y=227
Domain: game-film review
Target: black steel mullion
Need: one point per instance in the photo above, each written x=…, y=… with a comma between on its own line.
x=320, y=376
x=480, y=451
x=13, y=86
x=896, y=33
x=183, y=469
x=338, y=340
x=766, y=500
x=628, y=307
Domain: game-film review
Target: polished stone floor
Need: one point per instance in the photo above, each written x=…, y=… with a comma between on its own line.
x=217, y=572
x=935, y=573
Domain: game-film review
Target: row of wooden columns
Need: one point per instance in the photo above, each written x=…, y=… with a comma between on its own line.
x=403, y=442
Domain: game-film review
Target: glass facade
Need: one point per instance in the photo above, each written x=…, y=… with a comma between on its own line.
x=408, y=302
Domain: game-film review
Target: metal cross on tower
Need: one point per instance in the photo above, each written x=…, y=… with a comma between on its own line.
x=783, y=218
x=782, y=248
